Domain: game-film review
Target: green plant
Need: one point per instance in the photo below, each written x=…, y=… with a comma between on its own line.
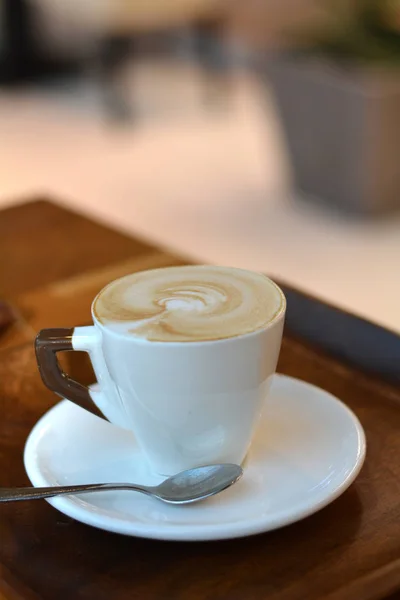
x=361, y=30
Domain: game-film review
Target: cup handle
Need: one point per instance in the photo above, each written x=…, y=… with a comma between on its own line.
x=105, y=402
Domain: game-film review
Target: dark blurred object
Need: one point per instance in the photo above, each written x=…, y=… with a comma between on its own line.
x=22, y=58
x=115, y=51
x=7, y=316
x=339, y=98
x=131, y=24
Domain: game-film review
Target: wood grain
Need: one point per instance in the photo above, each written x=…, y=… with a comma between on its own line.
x=41, y=242
x=350, y=550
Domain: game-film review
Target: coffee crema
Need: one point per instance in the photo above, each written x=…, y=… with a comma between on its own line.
x=189, y=303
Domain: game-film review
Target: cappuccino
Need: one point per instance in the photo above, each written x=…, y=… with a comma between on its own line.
x=189, y=304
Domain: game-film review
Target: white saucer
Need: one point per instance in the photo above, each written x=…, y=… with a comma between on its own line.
x=308, y=450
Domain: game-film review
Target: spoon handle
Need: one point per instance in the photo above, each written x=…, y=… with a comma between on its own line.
x=32, y=493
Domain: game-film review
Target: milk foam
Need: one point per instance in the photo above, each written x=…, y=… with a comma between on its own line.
x=190, y=303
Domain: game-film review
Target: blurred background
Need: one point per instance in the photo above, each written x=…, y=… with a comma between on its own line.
x=257, y=133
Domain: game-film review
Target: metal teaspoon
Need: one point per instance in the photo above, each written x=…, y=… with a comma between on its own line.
x=185, y=487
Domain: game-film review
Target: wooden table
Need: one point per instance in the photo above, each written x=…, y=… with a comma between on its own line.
x=52, y=263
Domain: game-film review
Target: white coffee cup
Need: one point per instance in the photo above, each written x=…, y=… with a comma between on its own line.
x=188, y=403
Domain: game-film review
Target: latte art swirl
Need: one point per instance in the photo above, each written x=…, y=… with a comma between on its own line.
x=188, y=303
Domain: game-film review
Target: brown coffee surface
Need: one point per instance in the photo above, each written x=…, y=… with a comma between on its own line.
x=190, y=303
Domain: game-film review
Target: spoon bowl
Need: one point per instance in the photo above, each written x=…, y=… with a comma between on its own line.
x=197, y=484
